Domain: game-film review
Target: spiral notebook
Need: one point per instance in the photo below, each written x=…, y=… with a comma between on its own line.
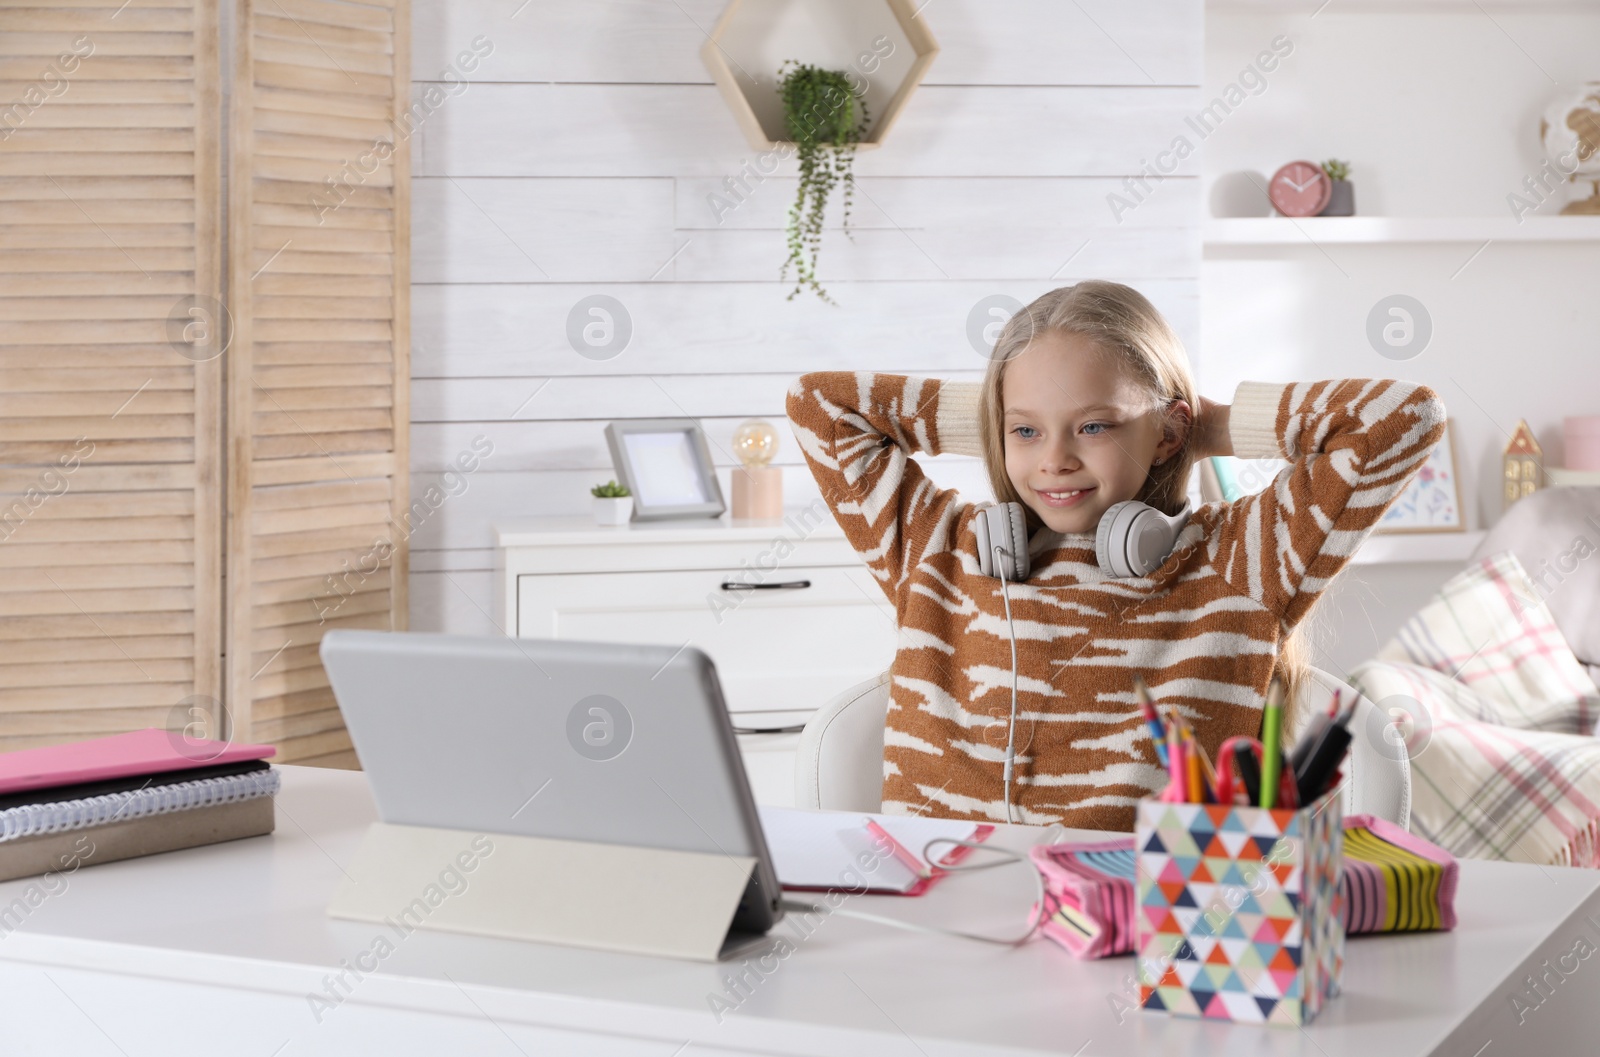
x=819, y=851
x=63, y=816
x=149, y=791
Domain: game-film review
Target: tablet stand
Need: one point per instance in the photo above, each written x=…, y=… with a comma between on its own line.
x=605, y=896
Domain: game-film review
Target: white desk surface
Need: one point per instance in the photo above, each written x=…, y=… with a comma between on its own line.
x=215, y=950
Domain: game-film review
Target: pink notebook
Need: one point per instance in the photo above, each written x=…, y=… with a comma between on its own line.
x=149, y=751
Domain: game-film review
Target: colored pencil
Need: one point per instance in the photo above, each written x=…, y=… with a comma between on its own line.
x=1194, y=755
x=1192, y=762
x=1208, y=774
x=1175, y=770
x=1158, y=733
x=1271, y=748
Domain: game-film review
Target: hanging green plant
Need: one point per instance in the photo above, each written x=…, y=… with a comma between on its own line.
x=825, y=120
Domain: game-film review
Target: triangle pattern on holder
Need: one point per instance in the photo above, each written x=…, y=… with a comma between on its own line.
x=1235, y=919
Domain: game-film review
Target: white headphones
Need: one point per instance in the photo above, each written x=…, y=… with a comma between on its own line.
x=1132, y=539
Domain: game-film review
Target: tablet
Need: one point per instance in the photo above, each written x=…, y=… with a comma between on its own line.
x=556, y=738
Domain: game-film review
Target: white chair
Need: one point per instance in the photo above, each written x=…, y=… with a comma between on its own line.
x=839, y=763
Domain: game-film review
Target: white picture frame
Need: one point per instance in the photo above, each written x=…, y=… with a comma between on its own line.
x=1432, y=501
x=666, y=464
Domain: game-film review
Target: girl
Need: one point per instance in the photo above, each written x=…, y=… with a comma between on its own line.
x=1088, y=401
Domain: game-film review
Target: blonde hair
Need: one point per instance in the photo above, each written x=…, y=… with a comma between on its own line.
x=1124, y=325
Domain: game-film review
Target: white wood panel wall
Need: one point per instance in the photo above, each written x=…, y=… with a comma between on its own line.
x=578, y=155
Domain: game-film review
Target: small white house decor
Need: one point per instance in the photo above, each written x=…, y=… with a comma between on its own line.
x=1523, y=464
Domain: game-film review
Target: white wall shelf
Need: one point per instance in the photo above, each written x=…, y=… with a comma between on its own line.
x=1270, y=231
x=1410, y=547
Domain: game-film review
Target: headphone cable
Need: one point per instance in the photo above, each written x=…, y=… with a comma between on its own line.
x=1011, y=731
x=1041, y=906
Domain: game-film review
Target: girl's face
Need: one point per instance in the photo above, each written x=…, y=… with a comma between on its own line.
x=1080, y=431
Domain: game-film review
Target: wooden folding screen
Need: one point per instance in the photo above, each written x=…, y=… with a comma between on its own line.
x=110, y=529
x=136, y=413
x=318, y=372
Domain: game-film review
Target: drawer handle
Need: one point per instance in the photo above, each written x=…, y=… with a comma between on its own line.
x=731, y=585
x=797, y=728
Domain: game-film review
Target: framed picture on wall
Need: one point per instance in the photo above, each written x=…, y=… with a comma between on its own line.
x=1432, y=501
x=666, y=464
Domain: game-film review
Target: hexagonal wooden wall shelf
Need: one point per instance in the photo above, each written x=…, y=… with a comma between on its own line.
x=883, y=42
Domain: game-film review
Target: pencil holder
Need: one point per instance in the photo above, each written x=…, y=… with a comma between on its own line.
x=1239, y=912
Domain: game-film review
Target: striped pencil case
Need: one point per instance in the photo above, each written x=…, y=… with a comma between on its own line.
x=1394, y=880
x=1088, y=895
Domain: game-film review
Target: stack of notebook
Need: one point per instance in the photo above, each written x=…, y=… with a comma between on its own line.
x=135, y=794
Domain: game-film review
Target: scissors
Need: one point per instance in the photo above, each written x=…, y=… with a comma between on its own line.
x=1239, y=775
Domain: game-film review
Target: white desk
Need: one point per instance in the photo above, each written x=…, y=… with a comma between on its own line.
x=214, y=951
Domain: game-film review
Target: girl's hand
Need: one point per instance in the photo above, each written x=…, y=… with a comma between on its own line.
x=1211, y=435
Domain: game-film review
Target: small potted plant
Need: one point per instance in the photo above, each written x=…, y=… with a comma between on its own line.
x=1342, y=203
x=613, y=503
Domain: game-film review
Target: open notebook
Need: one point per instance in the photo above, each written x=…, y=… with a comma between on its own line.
x=822, y=850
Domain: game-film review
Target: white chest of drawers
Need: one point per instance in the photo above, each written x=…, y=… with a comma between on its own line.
x=784, y=607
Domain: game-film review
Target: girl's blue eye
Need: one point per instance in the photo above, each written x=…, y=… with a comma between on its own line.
x=1018, y=430
x=1094, y=429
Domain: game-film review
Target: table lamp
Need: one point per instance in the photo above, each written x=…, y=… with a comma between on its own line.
x=757, y=486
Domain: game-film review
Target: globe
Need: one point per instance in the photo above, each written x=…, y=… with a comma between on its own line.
x=1570, y=134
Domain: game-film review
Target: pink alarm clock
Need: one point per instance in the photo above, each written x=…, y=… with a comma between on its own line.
x=1300, y=189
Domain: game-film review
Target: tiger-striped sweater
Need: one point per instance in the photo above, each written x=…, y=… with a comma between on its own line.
x=1204, y=629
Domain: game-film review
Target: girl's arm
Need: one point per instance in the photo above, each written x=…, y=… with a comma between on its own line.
x=1354, y=445
x=858, y=431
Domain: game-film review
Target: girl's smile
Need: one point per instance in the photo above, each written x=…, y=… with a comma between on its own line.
x=1067, y=498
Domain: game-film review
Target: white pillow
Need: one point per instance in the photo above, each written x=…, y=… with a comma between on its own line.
x=1489, y=629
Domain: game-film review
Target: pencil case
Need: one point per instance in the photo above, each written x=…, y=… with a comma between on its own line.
x=1088, y=895
x=1394, y=880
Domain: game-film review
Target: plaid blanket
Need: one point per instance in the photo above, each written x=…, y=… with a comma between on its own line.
x=1501, y=722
